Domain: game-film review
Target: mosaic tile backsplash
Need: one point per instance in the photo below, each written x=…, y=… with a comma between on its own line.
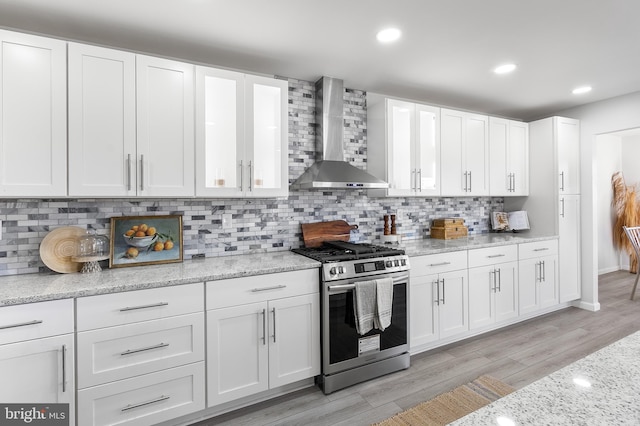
x=257, y=225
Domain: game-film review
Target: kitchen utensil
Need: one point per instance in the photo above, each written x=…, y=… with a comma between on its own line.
x=58, y=248
x=314, y=234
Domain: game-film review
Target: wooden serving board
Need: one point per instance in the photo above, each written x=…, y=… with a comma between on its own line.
x=314, y=234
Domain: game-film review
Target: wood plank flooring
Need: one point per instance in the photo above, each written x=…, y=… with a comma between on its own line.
x=518, y=355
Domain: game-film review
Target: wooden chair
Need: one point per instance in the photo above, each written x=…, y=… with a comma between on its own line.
x=633, y=233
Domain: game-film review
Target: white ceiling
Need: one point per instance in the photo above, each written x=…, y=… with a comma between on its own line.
x=445, y=55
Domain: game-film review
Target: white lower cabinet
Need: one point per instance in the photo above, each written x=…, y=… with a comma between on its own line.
x=538, y=276
x=37, y=354
x=493, y=289
x=438, y=303
x=269, y=342
x=569, y=248
x=141, y=355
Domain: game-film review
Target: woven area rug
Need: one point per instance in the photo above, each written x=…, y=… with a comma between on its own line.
x=452, y=405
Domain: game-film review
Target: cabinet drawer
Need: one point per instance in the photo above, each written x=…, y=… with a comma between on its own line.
x=437, y=263
x=260, y=288
x=492, y=255
x=537, y=249
x=116, y=353
x=35, y=320
x=144, y=400
x=141, y=305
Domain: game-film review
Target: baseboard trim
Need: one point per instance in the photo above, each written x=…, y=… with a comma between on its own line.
x=588, y=306
x=608, y=270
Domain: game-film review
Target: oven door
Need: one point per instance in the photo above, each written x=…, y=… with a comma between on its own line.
x=342, y=346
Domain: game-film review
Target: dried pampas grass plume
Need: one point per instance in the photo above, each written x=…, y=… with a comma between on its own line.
x=625, y=205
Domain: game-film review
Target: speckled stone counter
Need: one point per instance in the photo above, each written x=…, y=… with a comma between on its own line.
x=601, y=389
x=434, y=246
x=31, y=288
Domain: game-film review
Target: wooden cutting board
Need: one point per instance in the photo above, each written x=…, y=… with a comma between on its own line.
x=315, y=234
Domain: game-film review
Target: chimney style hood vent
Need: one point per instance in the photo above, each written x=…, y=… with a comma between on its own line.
x=330, y=169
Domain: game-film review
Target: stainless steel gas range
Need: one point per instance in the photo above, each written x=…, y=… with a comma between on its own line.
x=348, y=357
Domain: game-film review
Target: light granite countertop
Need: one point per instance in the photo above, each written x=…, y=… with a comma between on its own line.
x=601, y=389
x=29, y=288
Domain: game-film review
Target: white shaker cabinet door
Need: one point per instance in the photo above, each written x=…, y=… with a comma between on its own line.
x=33, y=116
x=401, y=148
x=567, y=136
x=102, y=125
x=454, y=304
x=423, y=310
x=165, y=127
x=427, y=150
x=453, y=174
x=569, y=248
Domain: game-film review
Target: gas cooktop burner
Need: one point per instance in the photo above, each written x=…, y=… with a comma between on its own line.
x=333, y=251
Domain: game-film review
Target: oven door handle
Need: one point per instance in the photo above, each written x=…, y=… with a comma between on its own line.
x=352, y=286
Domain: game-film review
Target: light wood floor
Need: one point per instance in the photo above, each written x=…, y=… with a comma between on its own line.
x=518, y=355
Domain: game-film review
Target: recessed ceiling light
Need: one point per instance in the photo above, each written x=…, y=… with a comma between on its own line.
x=388, y=35
x=581, y=90
x=504, y=69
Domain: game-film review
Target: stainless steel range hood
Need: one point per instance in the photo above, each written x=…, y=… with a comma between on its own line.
x=330, y=169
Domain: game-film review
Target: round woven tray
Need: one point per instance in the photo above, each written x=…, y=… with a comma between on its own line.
x=59, y=247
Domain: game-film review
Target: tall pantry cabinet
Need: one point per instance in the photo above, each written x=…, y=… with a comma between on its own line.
x=554, y=154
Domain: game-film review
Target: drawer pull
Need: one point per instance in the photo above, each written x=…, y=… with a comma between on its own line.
x=142, y=404
x=275, y=287
x=135, y=351
x=22, y=324
x=440, y=264
x=496, y=255
x=133, y=308
x=541, y=249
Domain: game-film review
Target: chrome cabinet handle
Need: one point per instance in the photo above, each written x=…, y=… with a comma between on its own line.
x=499, y=273
x=129, y=172
x=64, y=368
x=544, y=271
x=352, y=286
x=241, y=176
x=419, y=186
x=142, y=172
x=562, y=209
x=496, y=255
x=541, y=249
x=466, y=181
x=492, y=279
x=561, y=181
x=142, y=404
x=437, y=283
x=21, y=324
x=470, y=182
x=440, y=264
x=273, y=311
x=275, y=287
x=414, y=184
x=443, y=297
x=153, y=305
x=148, y=348
x=250, y=176
x=513, y=188
x=264, y=327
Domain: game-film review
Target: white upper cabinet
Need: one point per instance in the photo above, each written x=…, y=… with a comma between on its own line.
x=102, y=121
x=464, y=153
x=241, y=135
x=567, y=137
x=130, y=124
x=165, y=134
x=403, y=146
x=509, y=157
x=33, y=117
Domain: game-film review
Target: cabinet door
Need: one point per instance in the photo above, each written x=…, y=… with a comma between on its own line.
x=165, y=127
x=453, y=308
x=33, y=116
x=39, y=371
x=453, y=168
x=294, y=339
x=423, y=320
x=506, y=294
x=237, y=352
x=401, y=148
x=266, y=118
x=483, y=283
x=499, y=173
x=518, y=157
x=219, y=132
x=476, y=154
x=529, y=276
x=427, y=152
x=569, y=247
x=548, y=286
x=567, y=135
x=102, y=126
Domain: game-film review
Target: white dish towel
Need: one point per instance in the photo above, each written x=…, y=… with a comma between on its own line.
x=372, y=303
x=384, y=296
x=364, y=305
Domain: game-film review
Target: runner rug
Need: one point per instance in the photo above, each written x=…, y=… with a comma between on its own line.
x=452, y=405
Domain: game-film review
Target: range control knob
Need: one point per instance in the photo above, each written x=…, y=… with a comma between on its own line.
x=389, y=264
x=340, y=270
x=396, y=262
x=403, y=262
x=332, y=271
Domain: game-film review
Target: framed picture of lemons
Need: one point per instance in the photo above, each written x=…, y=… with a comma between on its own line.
x=145, y=240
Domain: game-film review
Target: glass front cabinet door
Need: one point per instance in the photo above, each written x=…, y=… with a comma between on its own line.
x=241, y=135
